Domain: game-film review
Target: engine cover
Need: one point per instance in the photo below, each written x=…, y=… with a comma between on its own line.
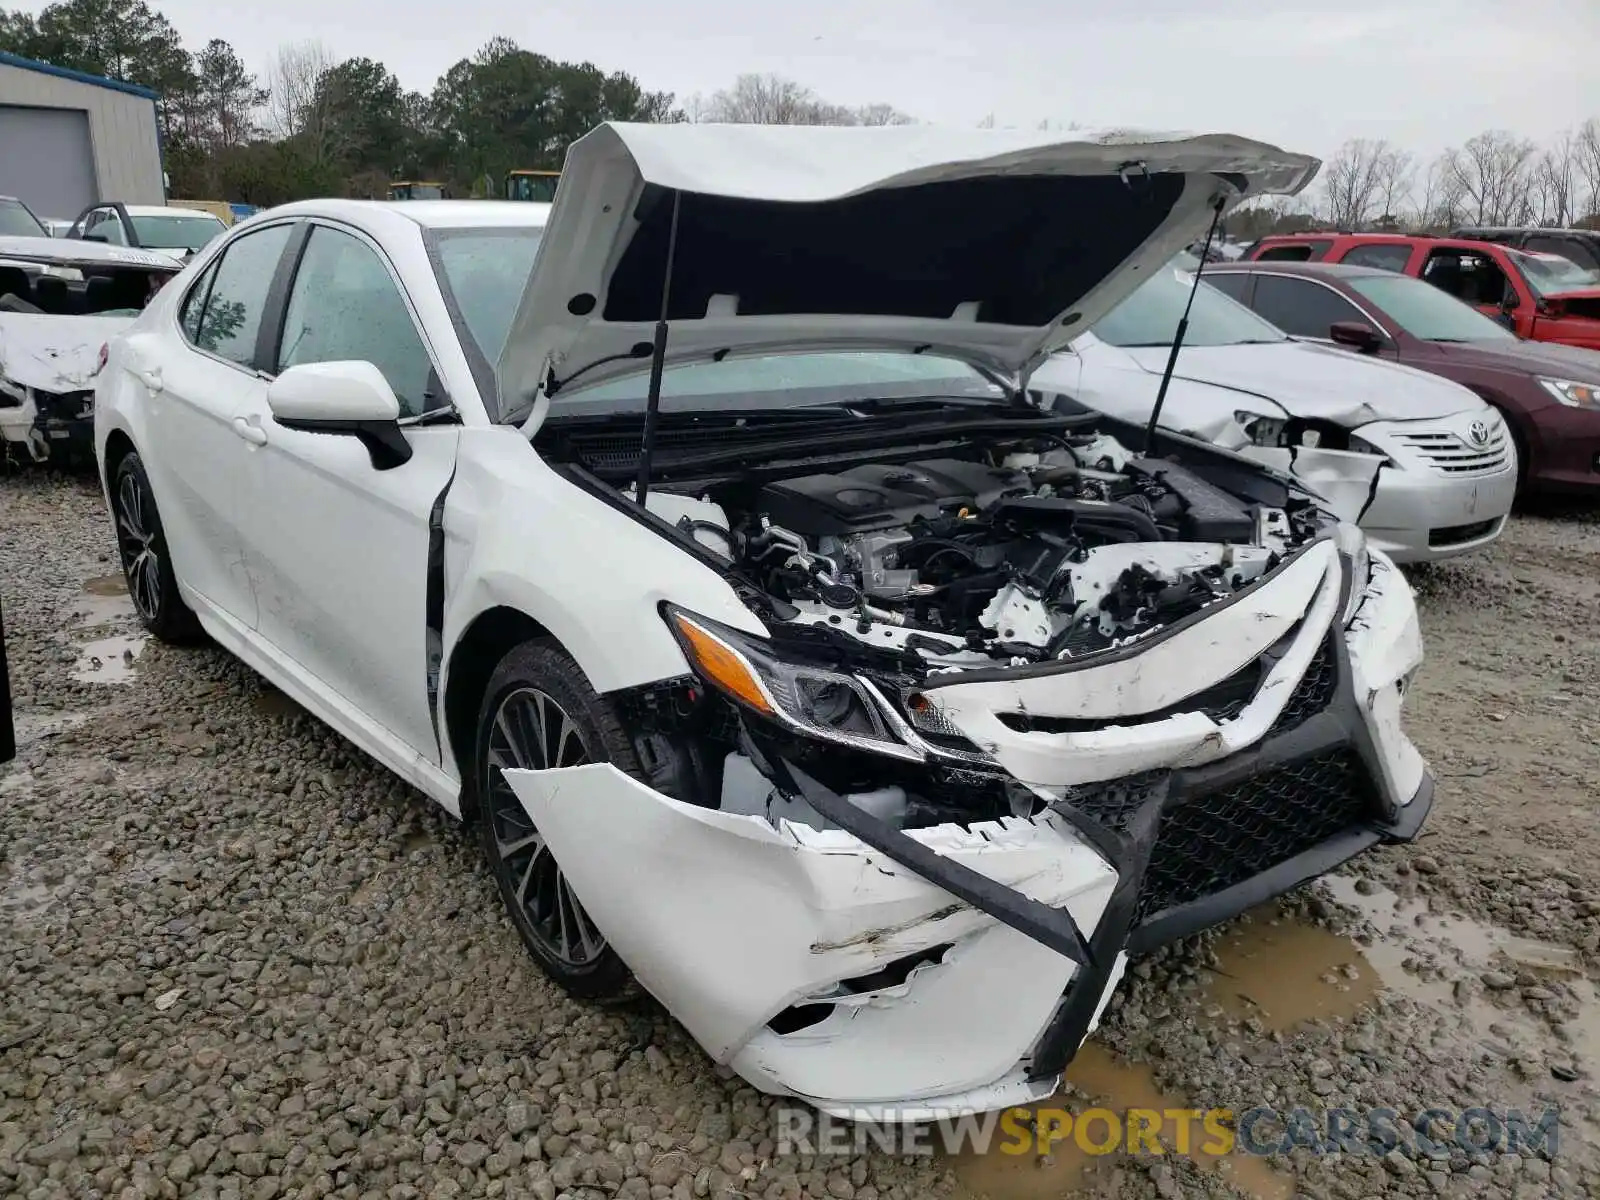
x=880, y=496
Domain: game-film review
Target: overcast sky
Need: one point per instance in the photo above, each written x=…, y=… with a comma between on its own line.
x=1303, y=73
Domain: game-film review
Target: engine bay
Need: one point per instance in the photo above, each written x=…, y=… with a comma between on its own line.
x=1014, y=554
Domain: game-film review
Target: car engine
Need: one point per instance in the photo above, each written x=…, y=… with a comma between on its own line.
x=1021, y=558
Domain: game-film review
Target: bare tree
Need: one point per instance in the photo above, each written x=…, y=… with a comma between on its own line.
x=881, y=114
x=774, y=100
x=1555, y=183
x=1351, y=181
x=1495, y=173
x=1586, y=155
x=1440, y=204
x=292, y=95
x=1396, y=177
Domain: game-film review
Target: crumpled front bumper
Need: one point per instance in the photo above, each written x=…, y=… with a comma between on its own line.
x=978, y=958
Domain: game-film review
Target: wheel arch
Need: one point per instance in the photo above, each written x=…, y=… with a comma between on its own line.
x=473, y=659
x=119, y=444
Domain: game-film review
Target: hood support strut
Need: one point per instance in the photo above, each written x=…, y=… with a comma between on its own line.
x=1178, y=334
x=658, y=358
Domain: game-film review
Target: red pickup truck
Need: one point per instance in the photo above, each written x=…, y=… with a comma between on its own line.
x=1541, y=297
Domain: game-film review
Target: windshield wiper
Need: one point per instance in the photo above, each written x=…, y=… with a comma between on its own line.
x=431, y=416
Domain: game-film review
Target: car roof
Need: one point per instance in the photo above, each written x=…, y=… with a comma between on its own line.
x=431, y=214
x=1465, y=229
x=166, y=210
x=1335, y=270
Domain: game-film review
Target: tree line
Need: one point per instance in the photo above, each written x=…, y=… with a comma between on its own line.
x=1494, y=178
x=314, y=124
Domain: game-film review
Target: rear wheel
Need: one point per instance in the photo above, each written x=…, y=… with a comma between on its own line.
x=539, y=713
x=146, y=562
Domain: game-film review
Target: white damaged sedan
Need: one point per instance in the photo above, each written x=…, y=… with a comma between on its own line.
x=695, y=538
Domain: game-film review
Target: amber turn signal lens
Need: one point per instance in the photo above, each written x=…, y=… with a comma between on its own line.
x=719, y=664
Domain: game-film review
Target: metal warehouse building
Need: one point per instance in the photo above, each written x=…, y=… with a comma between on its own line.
x=69, y=140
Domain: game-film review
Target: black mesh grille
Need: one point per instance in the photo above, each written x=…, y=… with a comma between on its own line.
x=1311, y=695
x=1114, y=802
x=1212, y=842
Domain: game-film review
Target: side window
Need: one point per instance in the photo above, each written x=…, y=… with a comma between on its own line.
x=232, y=316
x=1472, y=278
x=1234, y=284
x=346, y=306
x=1295, y=252
x=194, y=303
x=1384, y=257
x=1302, y=308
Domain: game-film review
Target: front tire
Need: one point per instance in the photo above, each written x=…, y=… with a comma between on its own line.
x=146, y=561
x=540, y=713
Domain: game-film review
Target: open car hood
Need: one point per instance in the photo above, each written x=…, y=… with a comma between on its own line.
x=992, y=246
x=74, y=252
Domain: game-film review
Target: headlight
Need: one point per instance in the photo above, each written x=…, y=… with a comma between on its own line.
x=1571, y=393
x=809, y=700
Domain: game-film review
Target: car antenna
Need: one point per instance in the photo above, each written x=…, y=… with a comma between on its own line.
x=1183, y=328
x=658, y=359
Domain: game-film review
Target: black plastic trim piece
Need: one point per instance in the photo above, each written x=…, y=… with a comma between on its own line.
x=433, y=625
x=1052, y=927
x=385, y=440
x=275, y=309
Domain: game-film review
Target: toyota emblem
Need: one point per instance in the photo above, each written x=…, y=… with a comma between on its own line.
x=1480, y=433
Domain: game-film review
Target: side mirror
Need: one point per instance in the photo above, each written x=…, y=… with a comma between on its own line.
x=1357, y=335
x=352, y=399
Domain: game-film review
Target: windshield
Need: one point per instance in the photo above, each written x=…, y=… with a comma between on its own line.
x=1150, y=316
x=484, y=271
x=17, y=221
x=1426, y=312
x=795, y=380
x=540, y=188
x=1552, y=275
x=176, y=233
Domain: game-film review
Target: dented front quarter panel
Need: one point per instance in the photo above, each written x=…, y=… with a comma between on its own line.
x=1385, y=640
x=729, y=920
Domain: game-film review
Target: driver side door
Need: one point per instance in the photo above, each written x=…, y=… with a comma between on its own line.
x=338, y=546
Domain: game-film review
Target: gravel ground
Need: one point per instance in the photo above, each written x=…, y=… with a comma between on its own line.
x=238, y=959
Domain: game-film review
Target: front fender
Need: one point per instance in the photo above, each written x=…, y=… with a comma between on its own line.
x=520, y=536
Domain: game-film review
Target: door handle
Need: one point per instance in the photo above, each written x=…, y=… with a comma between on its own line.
x=149, y=376
x=253, y=434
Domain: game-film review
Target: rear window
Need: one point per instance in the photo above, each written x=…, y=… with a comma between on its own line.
x=1294, y=252
x=17, y=221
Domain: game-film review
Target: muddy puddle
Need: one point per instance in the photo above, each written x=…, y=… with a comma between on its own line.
x=1283, y=973
x=103, y=606
x=108, y=659
x=1077, y=1162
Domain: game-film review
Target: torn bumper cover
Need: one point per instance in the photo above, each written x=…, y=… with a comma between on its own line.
x=880, y=974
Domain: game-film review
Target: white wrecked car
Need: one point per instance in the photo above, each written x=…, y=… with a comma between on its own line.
x=60, y=302
x=788, y=659
x=1423, y=464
